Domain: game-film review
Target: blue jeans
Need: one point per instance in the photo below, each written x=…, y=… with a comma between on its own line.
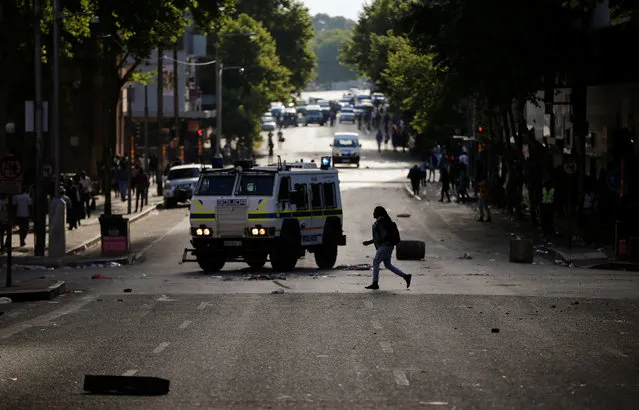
x=384, y=254
x=123, y=188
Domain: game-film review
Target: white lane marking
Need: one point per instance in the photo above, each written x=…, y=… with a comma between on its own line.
x=368, y=304
x=129, y=373
x=386, y=347
x=161, y=347
x=48, y=317
x=376, y=324
x=400, y=377
x=152, y=244
x=615, y=352
x=434, y=403
x=184, y=324
x=203, y=305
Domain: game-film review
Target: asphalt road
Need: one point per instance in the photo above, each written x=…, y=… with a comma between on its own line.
x=470, y=333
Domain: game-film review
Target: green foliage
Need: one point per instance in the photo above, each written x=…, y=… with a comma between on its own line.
x=247, y=95
x=323, y=23
x=290, y=24
x=367, y=48
x=327, y=45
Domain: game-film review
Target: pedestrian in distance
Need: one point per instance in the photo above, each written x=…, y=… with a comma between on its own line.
x=415, y=177
x=385, y=238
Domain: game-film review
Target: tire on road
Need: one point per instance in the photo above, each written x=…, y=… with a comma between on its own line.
x=211, y=264
x=256, y=261
x=411, y=250
x=170, y=203
x=326, y=253
x=286, y=249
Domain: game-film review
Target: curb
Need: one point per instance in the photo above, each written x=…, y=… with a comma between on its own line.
x=17, y=294
x=88, y=244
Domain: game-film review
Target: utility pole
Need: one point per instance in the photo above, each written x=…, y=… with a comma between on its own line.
x=57, y=210
x=160, y=114
x=218, y=94
x=129, y=131
x=146, y=128
x=39, y=220
x=176, y=95
x=107, y=155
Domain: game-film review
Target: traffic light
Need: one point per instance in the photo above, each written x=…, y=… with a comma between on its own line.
x=200, y=132
x=480, y=129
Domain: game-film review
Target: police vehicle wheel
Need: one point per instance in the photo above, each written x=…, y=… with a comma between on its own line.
x=411, y=250
x=211, y=265
x=326, y=255
x=285, y=251
x=170, y=203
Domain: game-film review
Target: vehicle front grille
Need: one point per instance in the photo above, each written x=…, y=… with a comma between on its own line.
x=232, y=220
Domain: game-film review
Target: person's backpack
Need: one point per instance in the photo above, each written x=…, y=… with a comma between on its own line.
x=392, y=235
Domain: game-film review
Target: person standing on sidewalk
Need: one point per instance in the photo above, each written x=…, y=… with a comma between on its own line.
x=87, y=192
x=141, y=184
x=4, y=224
x=385, y=238
x=483, y=201
x=445, y=180
x=22, y=203
x=547, y=208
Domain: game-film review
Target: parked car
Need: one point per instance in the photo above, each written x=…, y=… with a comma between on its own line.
x=268, y=123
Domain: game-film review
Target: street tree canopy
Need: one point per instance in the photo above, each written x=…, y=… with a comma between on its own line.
x=290, y=24
x=327, y=45
x=247, y=94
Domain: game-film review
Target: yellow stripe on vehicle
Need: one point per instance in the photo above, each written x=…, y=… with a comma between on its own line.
x=264, y=202
x=198, y=203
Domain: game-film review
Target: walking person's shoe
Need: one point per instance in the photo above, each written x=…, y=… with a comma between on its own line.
x=408, y=278
x=373, y=285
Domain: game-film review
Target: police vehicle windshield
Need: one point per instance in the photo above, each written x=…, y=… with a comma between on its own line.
x=216, y=185
x=248, y=185
x=345, y=142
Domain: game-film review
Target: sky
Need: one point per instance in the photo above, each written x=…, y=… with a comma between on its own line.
x=347, y=8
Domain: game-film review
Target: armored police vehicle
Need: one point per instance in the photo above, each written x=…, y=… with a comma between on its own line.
x=258, y=213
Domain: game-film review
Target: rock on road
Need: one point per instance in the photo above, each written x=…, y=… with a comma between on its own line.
x=479, y=333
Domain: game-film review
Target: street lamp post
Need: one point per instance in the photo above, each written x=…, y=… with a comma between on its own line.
x=57, y=211
x=219, y=69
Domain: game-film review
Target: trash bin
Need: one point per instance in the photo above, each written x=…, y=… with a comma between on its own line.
x=521, y=250
x=115, y=235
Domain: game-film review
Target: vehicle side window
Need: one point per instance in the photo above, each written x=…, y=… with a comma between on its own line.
x=316, y=191
x=329, y=195
x=302, y=189
x=285, y=187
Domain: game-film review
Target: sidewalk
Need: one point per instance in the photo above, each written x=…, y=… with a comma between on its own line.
x=88, y=234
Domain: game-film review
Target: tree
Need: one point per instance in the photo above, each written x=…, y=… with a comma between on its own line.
x=367, y=48
x=327, y=46
x=323, y=22
x=290, y=24
x=247, y=94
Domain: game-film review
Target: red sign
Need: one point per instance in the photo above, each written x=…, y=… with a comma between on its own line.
x=114, y=244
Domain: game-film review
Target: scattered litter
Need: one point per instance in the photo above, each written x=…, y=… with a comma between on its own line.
x=144, y=275
x=361, y=266
x=575, y=303
x=128, y=290
x=403, y=215
x=264, y=277
x=494, y=330
x=278, y=292
x=466, y=256
x=553, y=306
x=541, y=263
x=14, y=379
x=5, y=301
x=491, y=260
x=98, y=276
x=78, y=291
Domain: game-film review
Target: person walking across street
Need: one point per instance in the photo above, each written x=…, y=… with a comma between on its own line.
x=547, y=208
x=385, y=238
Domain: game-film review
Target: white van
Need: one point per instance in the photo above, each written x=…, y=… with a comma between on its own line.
x=346, y=148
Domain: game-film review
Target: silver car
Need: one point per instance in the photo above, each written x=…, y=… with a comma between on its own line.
x=180, y=183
